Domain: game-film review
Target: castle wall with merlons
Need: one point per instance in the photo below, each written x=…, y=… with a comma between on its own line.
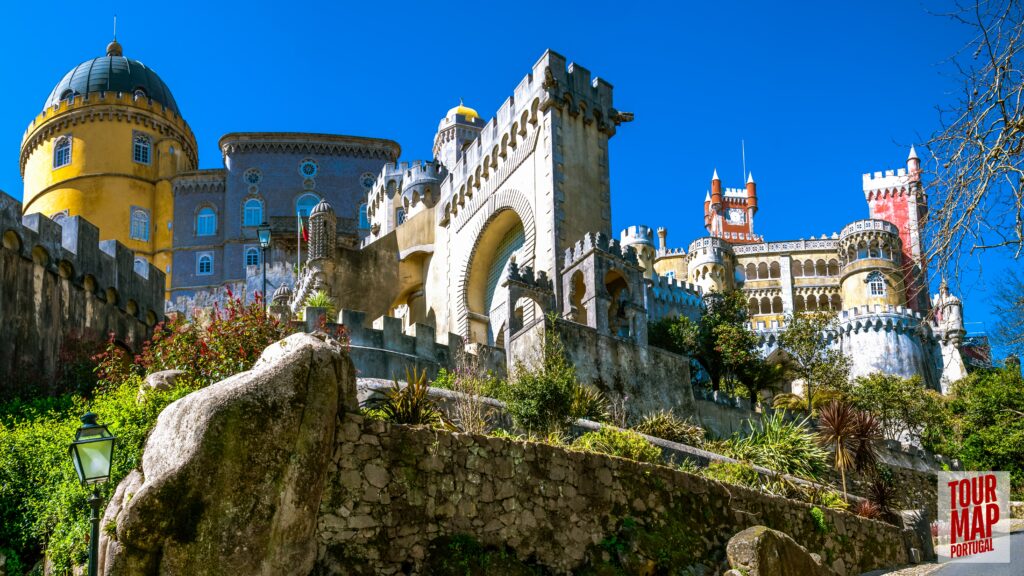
x=62, y=292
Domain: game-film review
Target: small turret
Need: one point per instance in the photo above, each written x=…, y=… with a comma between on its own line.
x=662, y=236
x=751, y=194
x=949, y=314
x=913, y=162
x=716, y=192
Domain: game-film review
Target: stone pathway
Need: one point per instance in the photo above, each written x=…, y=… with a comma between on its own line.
x=928, y=569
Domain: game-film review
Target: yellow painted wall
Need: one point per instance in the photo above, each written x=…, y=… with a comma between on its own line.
x=674, y=263
x=103, y=182
x=855, y=290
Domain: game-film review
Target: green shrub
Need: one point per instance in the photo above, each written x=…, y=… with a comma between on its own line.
x=320, y=299
x=539, y=400
x=590, y=403
x=666, y=425
x=820, y=522
x=781, y=445
x=738, y=473
x=410, y=404
x=621, y=443
x=41, y=502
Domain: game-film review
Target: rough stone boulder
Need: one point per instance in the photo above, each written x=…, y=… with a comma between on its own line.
x=761, y=551
x=232, y=475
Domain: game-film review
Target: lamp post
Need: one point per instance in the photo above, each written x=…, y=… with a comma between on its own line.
x=92, y=453
x=264, y=234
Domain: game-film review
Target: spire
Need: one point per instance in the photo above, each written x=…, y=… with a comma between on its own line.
x=114, y=48
x=750, y=178
x=913, y=153
x=707, y=196
x=715, y=176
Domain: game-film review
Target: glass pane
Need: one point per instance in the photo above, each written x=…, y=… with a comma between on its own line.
x=95, y=458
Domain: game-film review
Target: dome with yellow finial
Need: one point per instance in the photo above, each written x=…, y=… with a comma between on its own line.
x=462, y=110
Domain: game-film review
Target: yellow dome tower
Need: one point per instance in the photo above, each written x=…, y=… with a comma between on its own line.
x=105, y=147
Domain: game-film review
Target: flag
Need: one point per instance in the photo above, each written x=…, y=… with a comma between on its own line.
x=302, y=228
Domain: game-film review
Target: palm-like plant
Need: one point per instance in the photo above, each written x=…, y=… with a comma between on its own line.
x=320, y=299
x=411, y=404
x=869, y=432
x=838, y=424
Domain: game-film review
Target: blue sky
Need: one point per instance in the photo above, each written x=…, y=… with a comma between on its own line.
x=819, y=92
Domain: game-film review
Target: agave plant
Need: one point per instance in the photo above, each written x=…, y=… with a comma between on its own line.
x=664, y=424
x=590, y=403
x=320, y=299
x=868, y=509
x=411, y=404
x=777, y=443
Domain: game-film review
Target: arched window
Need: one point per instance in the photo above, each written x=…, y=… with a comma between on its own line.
x=751, y=272
x=139, y=225
x=62, y=151
x=752, y=309
x=777, y=305
x=140, y=148
x=774, y=271
x=399, y=216
x=798, y=303
x=762, y=270
x=204, y=264
x=876, y=284
x=798, y=269
x=766, y=305
x=837, y=302
x=364, y=219
x=833, y=267
x=252, y=256
x=206, y=222
x=252, y=214
x=819, y=268
x=808, y=268
x=304, y=205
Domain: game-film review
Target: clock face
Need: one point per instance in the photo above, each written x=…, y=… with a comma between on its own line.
x=736, y=216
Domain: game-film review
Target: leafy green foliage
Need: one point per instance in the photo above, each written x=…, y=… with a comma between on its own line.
x=228, y=342
x=41, y=502
x=320, y=299
x=719, y=341
x=805, y=340
x=463, y=555
x=903, y=406
x=590, y=403
x=410, y=404
x=779, y=444
x=820, y=522
x=666, y=425
x=621, y=443
x=738, y=473
x=540, y=400
x=986, y=427
x=851, y=434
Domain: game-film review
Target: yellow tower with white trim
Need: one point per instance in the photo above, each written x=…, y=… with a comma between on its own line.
x=108, y=142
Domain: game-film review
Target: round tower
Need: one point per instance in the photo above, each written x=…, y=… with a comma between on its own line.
x=869, y=251
x=421, y=186
x=323, y=232
x=641, y=240
x=459, y=127
x=105, y=147
x=710, y=263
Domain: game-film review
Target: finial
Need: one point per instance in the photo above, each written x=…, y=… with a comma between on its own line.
x=913, y=153
x=115, y=27
x=114, y=48
x=715, y=176
x=707, y=196
x=750, y=178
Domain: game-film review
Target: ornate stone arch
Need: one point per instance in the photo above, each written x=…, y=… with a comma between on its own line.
x=501, y=201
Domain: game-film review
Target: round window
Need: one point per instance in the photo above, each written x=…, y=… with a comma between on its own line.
x=308, y=168
x=253, y=176
x=367, y=180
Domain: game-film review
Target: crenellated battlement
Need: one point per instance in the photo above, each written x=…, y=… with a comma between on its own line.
x=598, y=242
x=639, y=234
x=200, y=182
x=73, y=250
x=710, y=243
x=668, y=252
x=868, y=225
x=889, y=183
x=90, y=107
x=878, y=317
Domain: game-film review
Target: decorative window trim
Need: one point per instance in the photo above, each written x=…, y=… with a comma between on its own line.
x=303, y=195
x=876, y=284
x=136, y=215
x=202, y=257
x=364, y=216
x=61, y=154
x=142, y=148
x=252, y=176
x=308, y=168
x=399, y=216
x=245, y=211
x=199, y=213
x=248, y=249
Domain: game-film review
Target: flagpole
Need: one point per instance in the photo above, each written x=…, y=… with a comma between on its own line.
x=298, y=238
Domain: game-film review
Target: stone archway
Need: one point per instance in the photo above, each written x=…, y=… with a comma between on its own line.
x=502, y=236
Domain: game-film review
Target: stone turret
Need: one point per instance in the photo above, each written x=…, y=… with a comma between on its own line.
x=949, y=315
x=641, y=240
x=323, y=235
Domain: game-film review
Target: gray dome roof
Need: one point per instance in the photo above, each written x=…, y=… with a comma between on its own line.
x=321, y=206
x=112, y=73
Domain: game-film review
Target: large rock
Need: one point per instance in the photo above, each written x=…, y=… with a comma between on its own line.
x=761, y=551
x=232, y=475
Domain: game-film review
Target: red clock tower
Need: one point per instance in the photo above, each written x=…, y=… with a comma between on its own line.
x=729, y=213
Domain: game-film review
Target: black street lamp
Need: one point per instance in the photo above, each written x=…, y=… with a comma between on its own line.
x=93, y=453
x=264, y=234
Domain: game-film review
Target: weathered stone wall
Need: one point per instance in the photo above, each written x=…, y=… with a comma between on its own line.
x=650, y=377
x=62, y=289
x=393, y=490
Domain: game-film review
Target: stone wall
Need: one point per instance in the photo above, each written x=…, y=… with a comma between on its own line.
x=651, y=378
x=62, y=291
x=393, y=491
